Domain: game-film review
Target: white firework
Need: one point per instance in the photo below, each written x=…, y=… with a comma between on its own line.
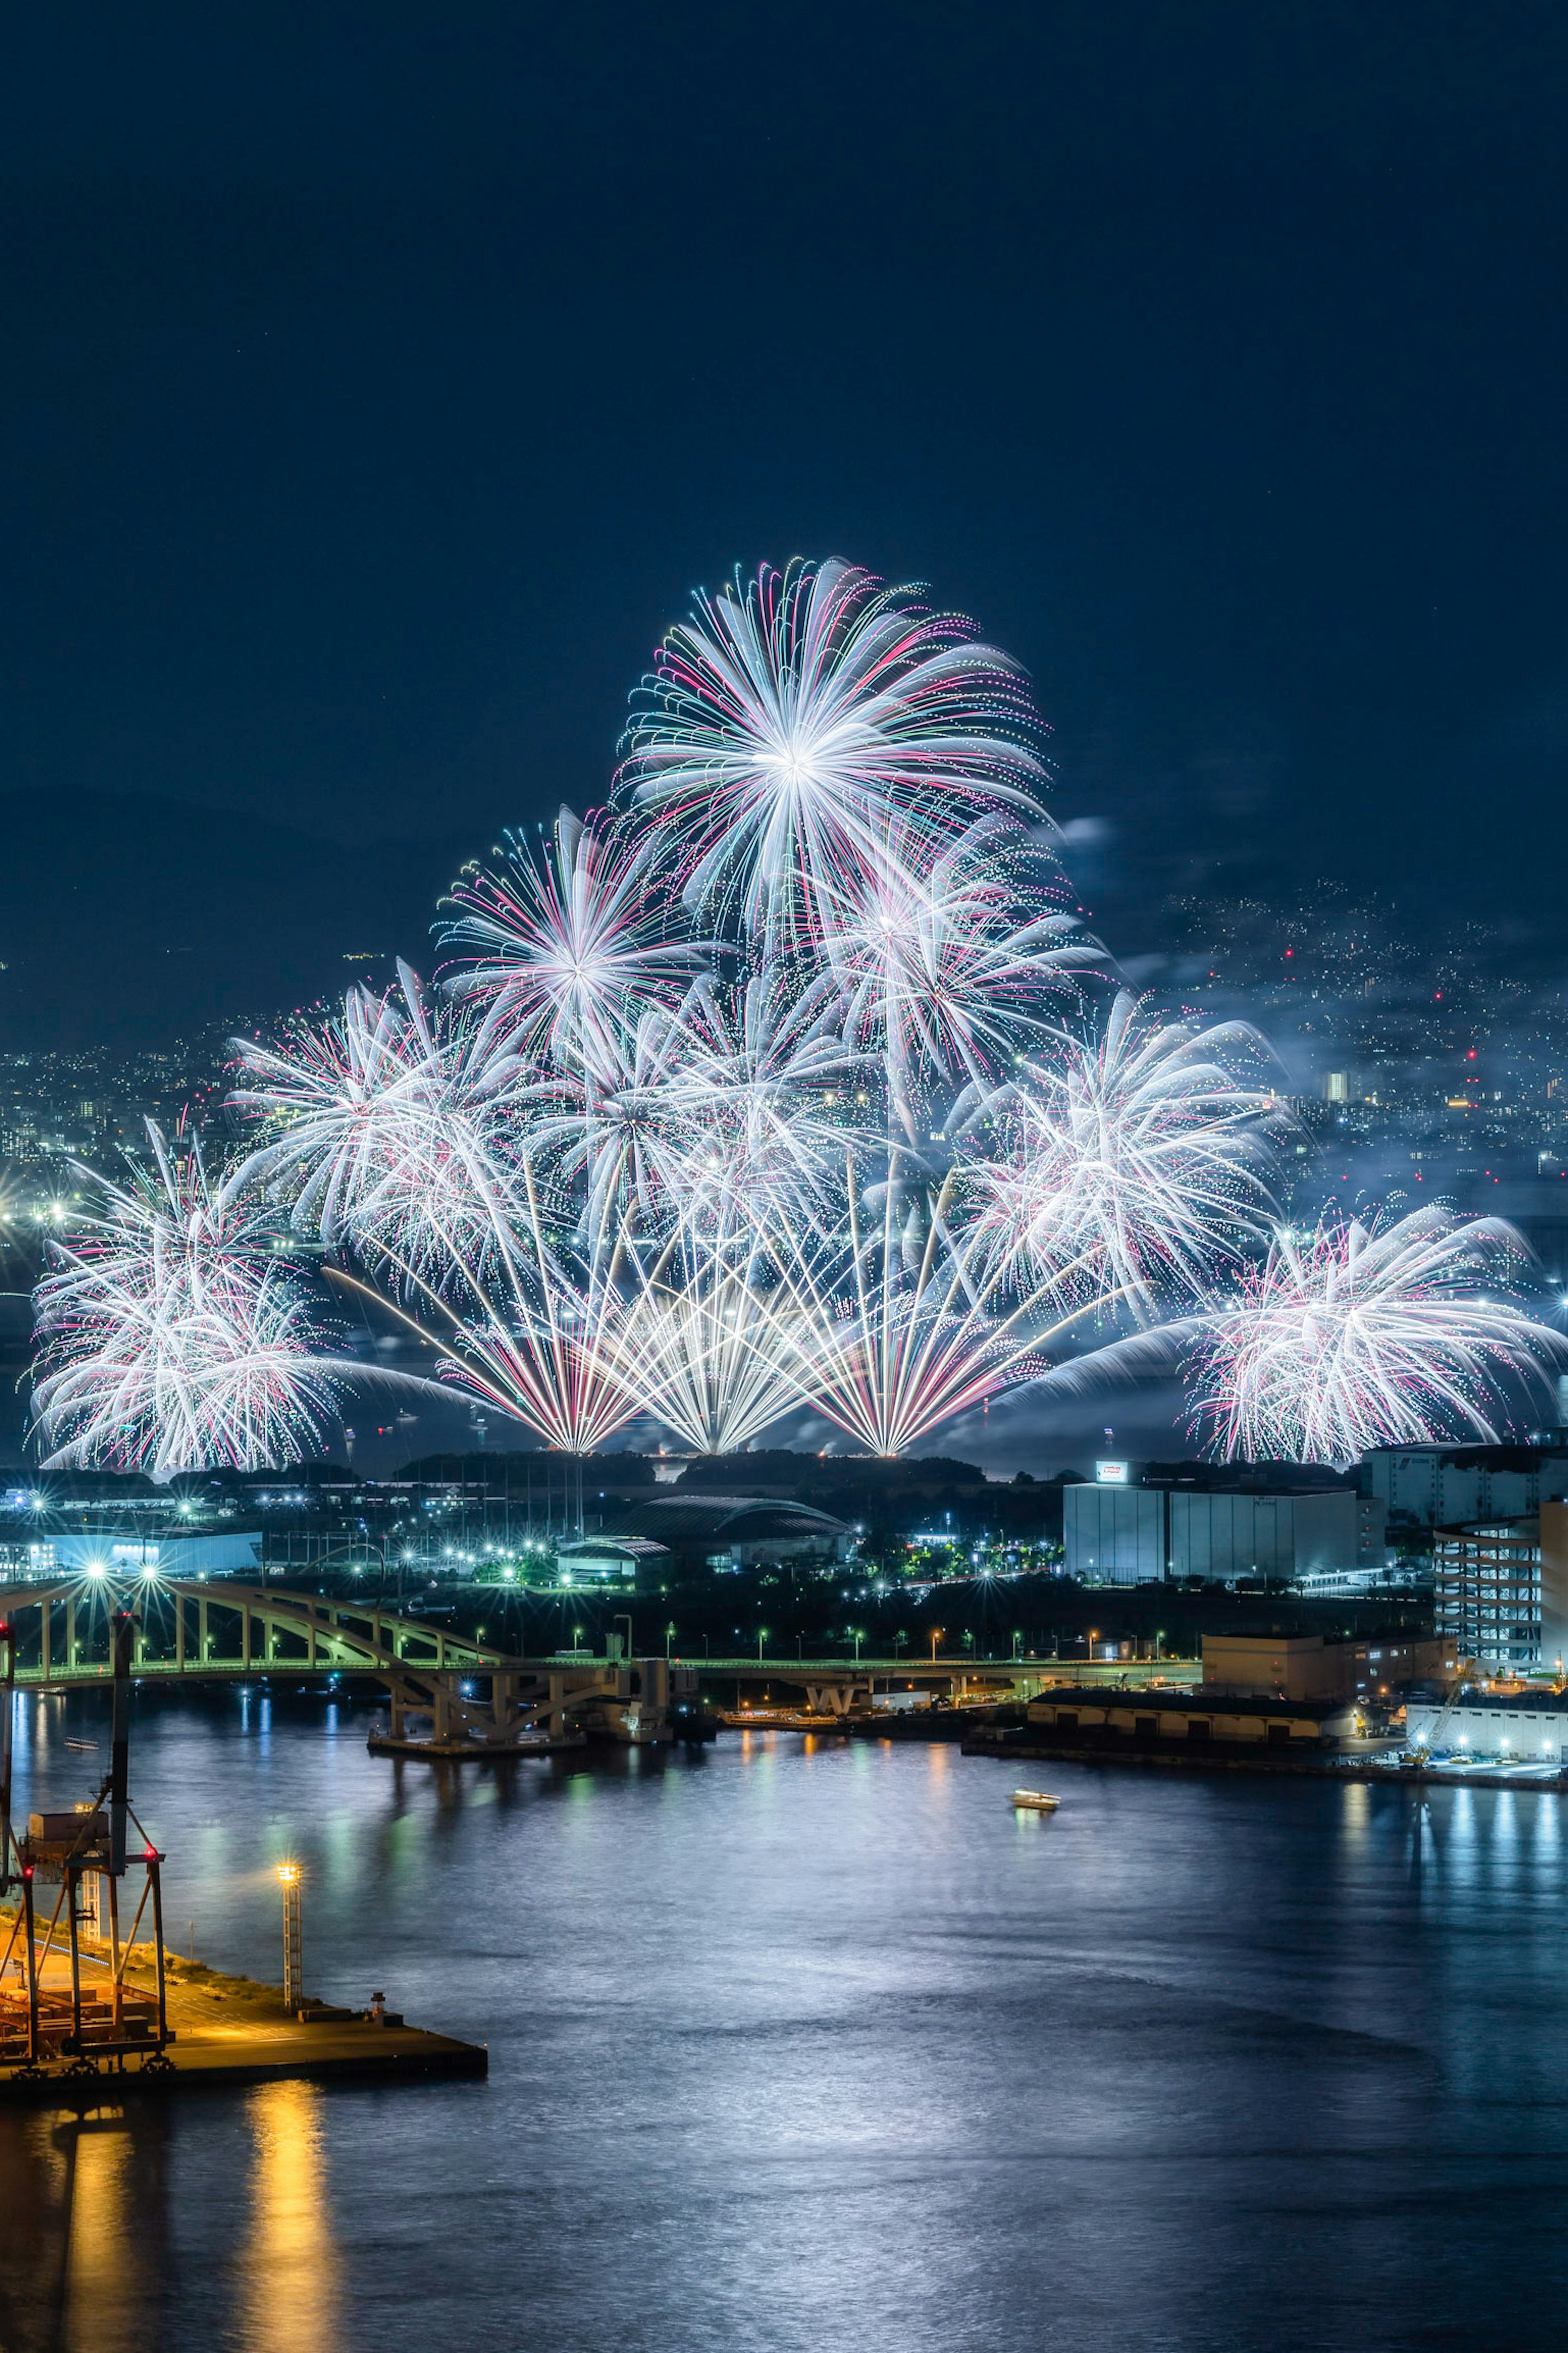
x=1133, y=1162
x=793, y=714
x=1352, y=1338
x=564, y=947
x=391, y=1124
x=945, y=975
x=713, y=1343
x=172, y=1336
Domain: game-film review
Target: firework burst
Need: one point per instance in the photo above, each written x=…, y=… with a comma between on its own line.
x=565, y=948
x=391, y=1126
x=793, y=714
x=779, y=1084
x=1132, y=1161
x=171, y=1335
x=1352, y=1338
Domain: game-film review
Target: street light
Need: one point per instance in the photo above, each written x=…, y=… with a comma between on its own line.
x=762, y=1638
x=860, y=1638
x=936, y=1634
x=293, y=1940
x=669, y=1639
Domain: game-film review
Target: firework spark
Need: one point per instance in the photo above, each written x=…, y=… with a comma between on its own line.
x=1134, y=1161
x=793, y=714
x=172, y=1336
x=1354, y=1338
x=566, y=948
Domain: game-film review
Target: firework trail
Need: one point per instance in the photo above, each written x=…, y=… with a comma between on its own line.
x=566, y=948
x=1134, y=1161
x=712, y=1343
x=904, y=1325
x=779, y=1084
x=173, y=1337
x=792, y=714
x=391, y=1124
x=1354, y=1338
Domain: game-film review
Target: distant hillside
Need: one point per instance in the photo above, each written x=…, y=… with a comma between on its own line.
x=126, y=920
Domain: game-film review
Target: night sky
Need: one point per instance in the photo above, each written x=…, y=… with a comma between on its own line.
x=378, y=381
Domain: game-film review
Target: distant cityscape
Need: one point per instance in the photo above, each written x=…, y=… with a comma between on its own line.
x=1411, y=1068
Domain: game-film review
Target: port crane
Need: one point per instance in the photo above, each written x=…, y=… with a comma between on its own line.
x=1423, y=1750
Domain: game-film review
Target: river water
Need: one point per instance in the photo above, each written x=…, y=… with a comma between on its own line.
x=817, y=2045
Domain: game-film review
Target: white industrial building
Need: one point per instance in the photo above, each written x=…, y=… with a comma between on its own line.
x=1449, y=1486
x=1127, y=1535
x=1530, y=1723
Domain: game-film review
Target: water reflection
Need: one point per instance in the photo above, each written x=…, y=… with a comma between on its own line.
x=290, y=2282
x=83, y=2230
x=105, y=2255
x=791, y=2031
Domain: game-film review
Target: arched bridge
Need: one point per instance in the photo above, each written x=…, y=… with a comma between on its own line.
x=472, y=1693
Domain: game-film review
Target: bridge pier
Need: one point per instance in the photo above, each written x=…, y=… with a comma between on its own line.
x=48, y=1607
x=202, y=1644
x=72, y=1654
x=180, y=1631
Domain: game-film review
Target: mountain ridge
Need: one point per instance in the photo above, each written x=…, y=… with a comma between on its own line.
x=129, y=920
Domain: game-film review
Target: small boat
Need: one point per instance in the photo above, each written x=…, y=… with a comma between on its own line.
x=1034, y=1801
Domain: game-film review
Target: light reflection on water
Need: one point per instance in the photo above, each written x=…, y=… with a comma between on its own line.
x=808, y=2043
x=290, y=2295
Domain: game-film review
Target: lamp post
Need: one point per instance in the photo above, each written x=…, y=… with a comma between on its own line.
x=762, y=1638
x=935, y=1636
x=293, y=1940
x=669, y=1639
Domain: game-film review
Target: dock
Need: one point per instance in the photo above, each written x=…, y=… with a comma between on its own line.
x=1322, y=1765
x=228, y=2031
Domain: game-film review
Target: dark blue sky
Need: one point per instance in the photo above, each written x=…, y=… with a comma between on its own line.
x=377, y=380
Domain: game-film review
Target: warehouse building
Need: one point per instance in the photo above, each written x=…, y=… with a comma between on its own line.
x=1128, y=1534
x=1451, y=1487
x=1308, y=1667
x=1152, y=1717
x=1530, y=1725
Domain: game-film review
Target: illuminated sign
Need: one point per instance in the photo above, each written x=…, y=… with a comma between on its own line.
x=1111, y=1474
